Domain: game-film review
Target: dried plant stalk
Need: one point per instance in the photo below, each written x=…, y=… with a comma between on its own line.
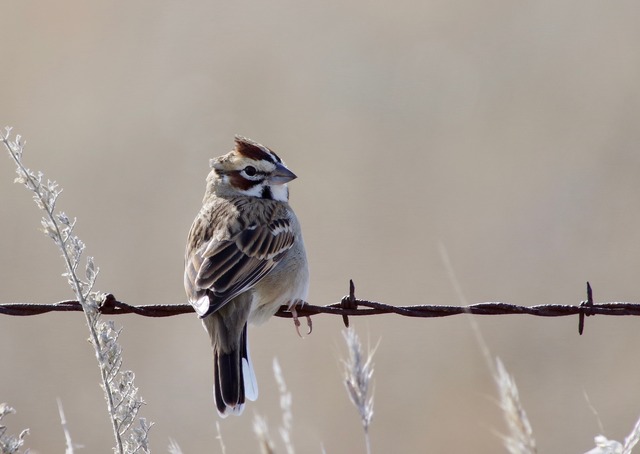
x=123, y=402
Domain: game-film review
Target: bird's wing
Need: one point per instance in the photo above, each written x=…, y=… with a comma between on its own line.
x=225, y=268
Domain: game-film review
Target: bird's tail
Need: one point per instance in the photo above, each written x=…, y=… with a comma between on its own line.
x=234, y=379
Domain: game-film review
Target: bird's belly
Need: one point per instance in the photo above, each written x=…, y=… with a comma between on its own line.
x=273, y=291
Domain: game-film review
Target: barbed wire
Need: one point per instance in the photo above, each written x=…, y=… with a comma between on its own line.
x=350, y=306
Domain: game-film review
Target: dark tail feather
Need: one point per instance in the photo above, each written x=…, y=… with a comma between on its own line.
x=232, y=371
x=229, y=383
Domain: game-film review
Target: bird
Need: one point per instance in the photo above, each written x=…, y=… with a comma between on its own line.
x=245, y=257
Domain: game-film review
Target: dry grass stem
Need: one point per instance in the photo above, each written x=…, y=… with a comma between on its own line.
x=67, y=435
x=223, y=448
x=285, y=406
x=261, y=430
x=358, y=374
x=520, y=438
x=174, y=448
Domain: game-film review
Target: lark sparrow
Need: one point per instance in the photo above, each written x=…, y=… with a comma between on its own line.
x=244, y=259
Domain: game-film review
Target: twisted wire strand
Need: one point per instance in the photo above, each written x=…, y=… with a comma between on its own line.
x=364, y=308
x=349, y=306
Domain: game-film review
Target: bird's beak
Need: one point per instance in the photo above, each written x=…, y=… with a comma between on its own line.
x=281, y=175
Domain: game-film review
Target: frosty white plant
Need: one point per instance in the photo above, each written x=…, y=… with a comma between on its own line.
x=632, y=439
x=605, y=446
x=10, y=444
x=358, y=372
x=121, y=394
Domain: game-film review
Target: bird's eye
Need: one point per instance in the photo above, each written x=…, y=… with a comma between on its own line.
x=250, y=171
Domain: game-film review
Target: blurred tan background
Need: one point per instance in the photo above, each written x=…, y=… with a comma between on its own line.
x=506, y=131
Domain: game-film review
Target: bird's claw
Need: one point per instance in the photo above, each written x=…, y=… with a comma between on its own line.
x=296, y=320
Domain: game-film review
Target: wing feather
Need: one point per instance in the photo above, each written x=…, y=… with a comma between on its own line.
x=224, y=268
x=226, y=258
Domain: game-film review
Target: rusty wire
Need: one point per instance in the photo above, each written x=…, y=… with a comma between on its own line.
x=350, y=306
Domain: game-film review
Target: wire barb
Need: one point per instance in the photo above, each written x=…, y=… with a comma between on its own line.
x=586, y=309
x=349, y=302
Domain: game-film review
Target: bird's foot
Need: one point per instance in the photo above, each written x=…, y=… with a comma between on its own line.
x=296, y=320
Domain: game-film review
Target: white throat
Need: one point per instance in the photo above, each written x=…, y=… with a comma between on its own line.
x=280, y=192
